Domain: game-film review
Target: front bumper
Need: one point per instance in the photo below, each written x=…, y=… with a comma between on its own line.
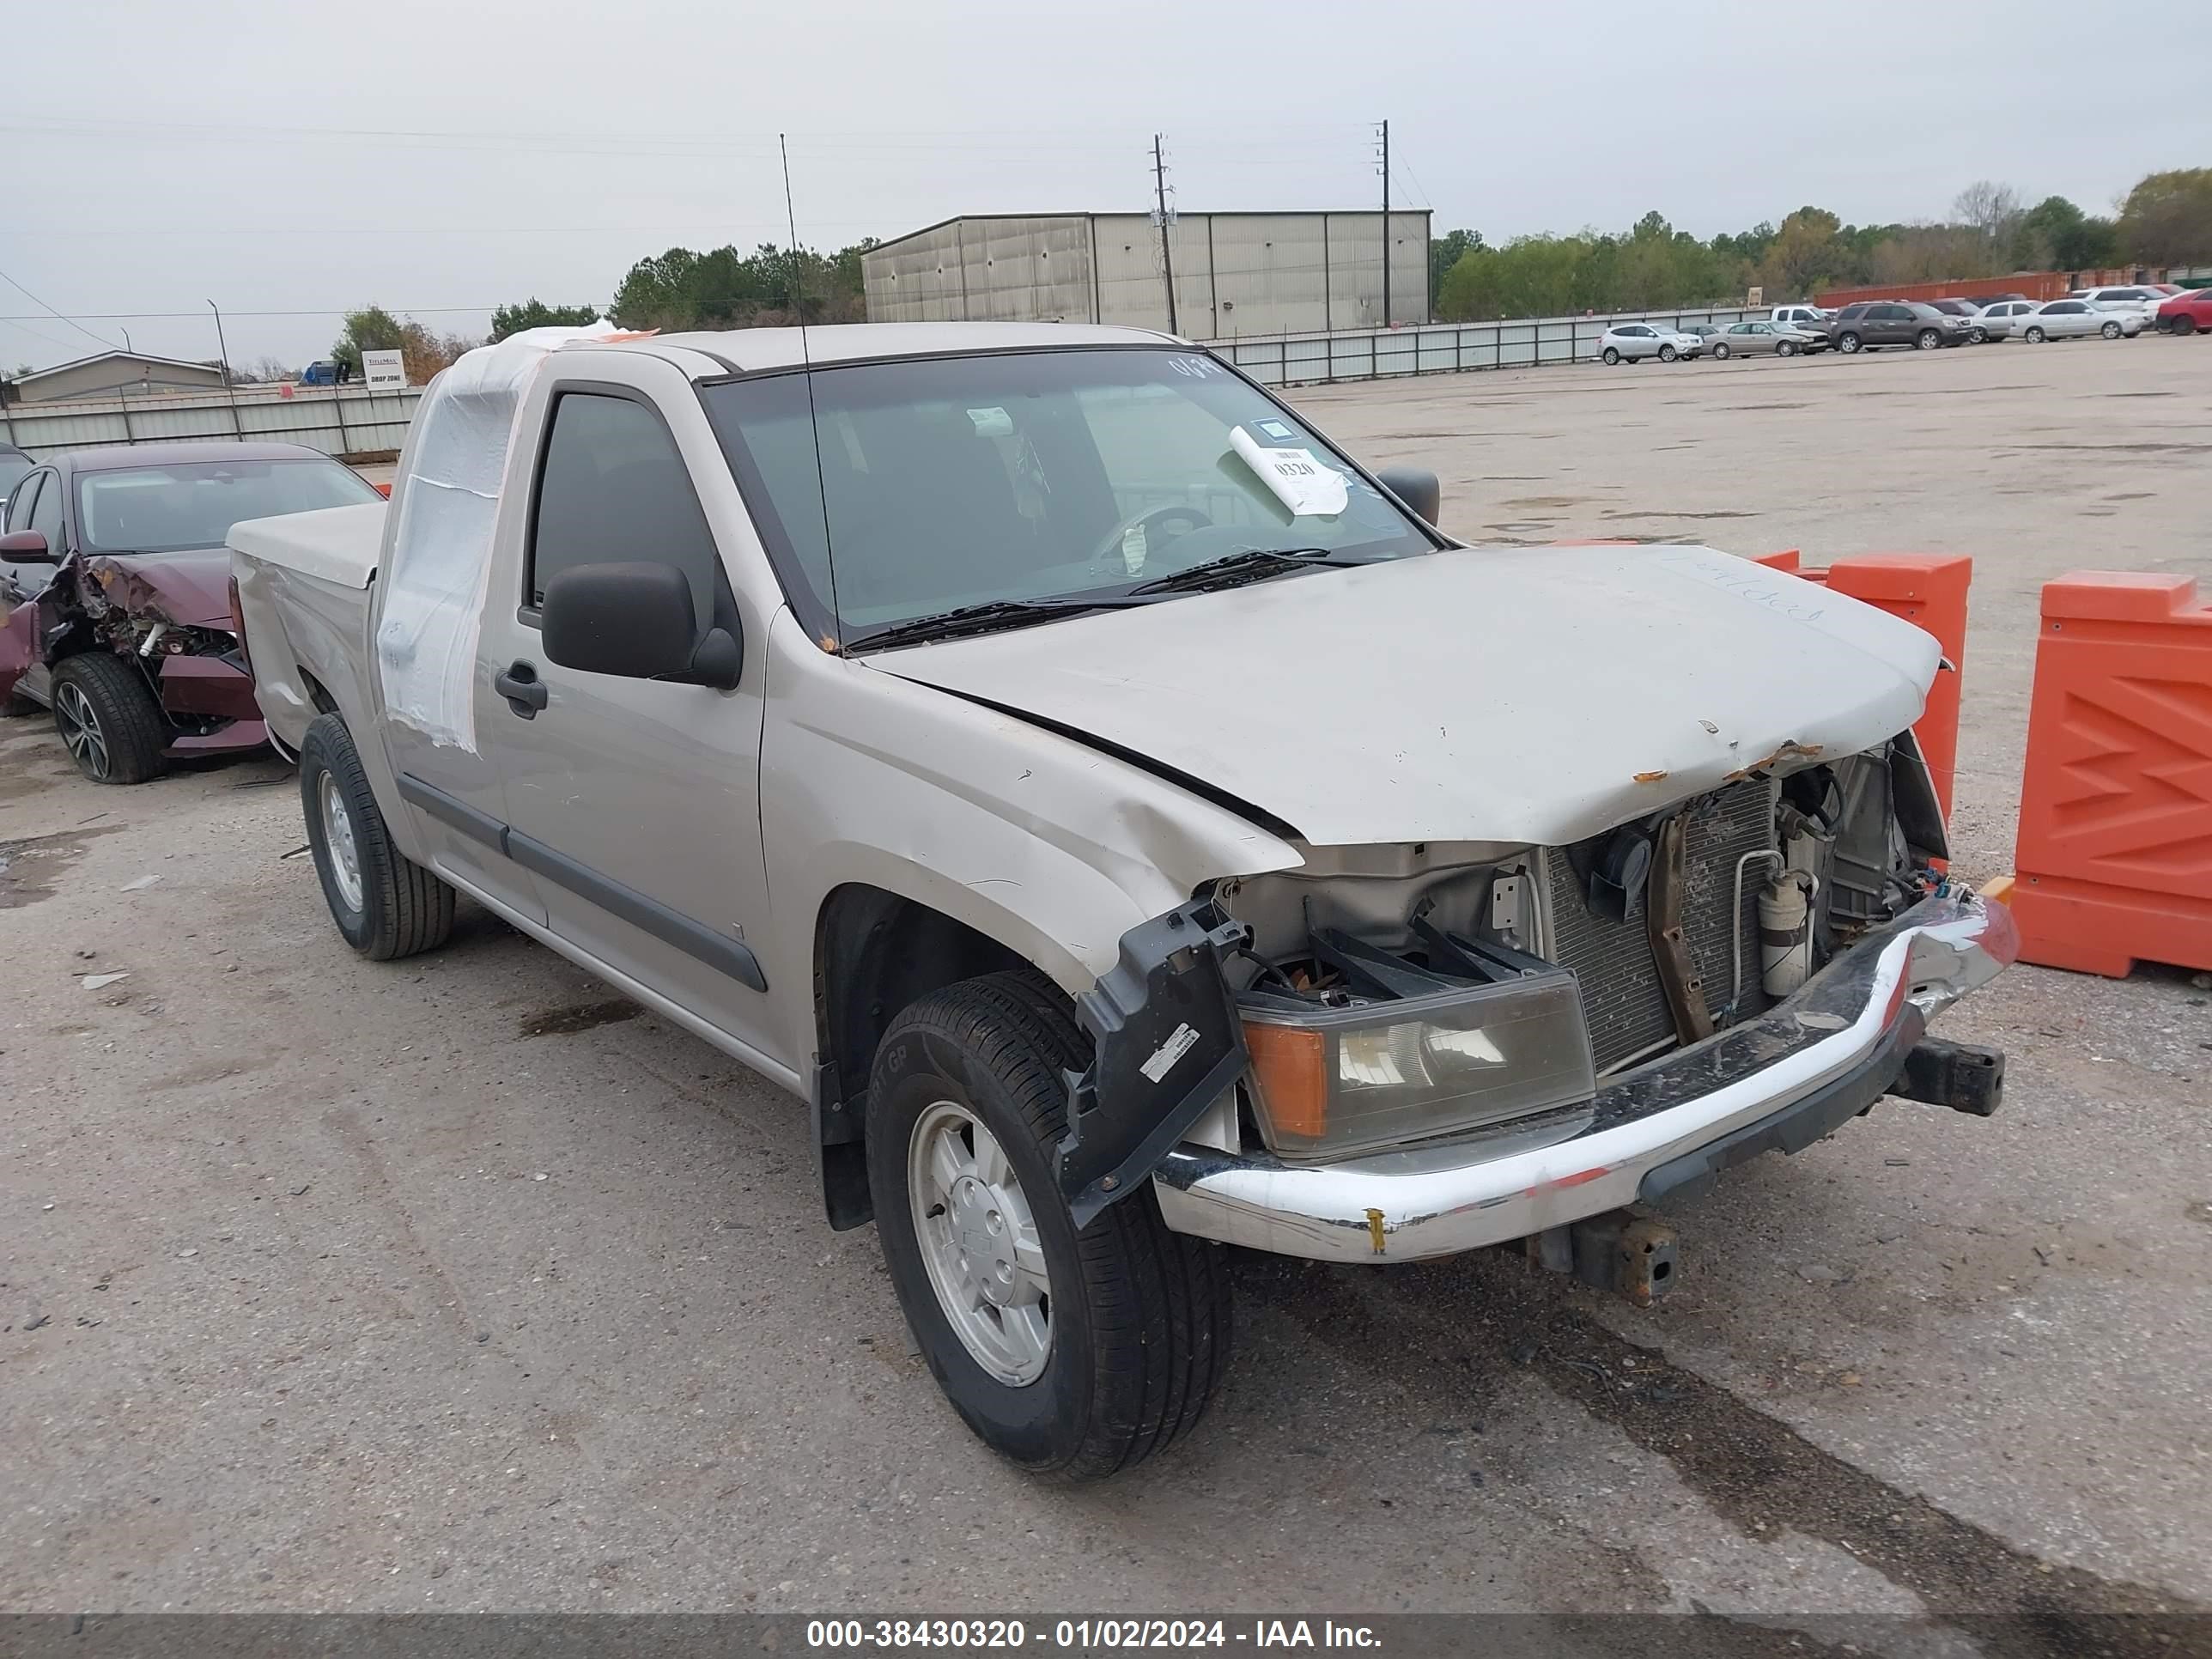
x=1834, y=1048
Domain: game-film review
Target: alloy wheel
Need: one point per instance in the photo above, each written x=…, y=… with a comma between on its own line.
x=980, y=1243
x=81, y=729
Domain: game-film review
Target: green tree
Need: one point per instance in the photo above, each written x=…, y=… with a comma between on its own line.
x=2168, y=218
x=1808, y=253
x=534, y=312
x=2055, y=234
x=1444, y=252
x=370, y=328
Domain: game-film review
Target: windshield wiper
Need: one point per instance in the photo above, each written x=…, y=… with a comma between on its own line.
x=1234, y=569
x=982, y=618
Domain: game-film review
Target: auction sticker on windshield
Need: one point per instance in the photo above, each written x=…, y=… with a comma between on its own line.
x=1303, y=484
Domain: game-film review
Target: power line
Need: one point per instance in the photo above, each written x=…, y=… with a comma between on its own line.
x=43, y=305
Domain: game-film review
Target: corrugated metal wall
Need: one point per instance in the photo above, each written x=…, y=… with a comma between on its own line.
x=1235, y=273
x=353, y=422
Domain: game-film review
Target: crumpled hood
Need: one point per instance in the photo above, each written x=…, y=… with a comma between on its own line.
x=190, y=589
x=1530, y=694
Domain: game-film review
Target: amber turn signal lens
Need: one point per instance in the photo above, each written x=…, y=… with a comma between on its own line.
x=1287, y=1064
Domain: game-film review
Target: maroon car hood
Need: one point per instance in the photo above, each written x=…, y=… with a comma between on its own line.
x=190, y=589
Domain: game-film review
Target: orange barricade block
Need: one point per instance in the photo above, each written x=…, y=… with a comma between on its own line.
x=2115, y=850
x=1929, y=589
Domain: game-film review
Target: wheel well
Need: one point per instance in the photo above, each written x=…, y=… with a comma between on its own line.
x=324, y=703
x=875, y=952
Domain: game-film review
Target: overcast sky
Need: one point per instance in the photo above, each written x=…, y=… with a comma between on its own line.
x=439, y=158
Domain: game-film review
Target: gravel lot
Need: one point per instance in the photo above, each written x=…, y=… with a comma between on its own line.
x=456, y=1284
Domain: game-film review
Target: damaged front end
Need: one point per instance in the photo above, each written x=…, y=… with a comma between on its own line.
x=1441, y=1005
x=169, y=618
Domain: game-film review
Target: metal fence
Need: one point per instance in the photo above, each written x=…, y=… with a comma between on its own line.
x=1440, y=348
x=348, y=420
x=355, y=421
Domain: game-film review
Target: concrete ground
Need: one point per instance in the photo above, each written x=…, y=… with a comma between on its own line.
x=455, y=1284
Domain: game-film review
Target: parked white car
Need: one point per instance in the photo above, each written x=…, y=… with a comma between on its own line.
x=1748, y=340
x=2002, y=320
x=1812, y=319
x=1634, y=342
x=2075, y=319
x=2139, y=298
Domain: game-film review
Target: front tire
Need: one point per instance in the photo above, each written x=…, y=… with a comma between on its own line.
x=1786, y=348
x=114, y=729
x=2110, y=331
x=1611, y=358
x=1072, y=1354
x=1927, y=339
x=1720, y=351
x=1849, y=344
x=2034, y=337
x=386, y=905
x=1667, y=354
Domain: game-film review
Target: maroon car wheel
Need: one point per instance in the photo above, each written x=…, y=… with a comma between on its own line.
x=114, y=729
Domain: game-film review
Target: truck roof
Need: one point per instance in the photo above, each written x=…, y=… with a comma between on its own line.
x=745, y=351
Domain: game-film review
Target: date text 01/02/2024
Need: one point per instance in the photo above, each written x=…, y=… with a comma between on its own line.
x=1084, y=1635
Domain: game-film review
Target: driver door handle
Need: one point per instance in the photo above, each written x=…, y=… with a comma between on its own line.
x=525, y=692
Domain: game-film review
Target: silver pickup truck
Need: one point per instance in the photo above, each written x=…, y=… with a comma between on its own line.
x=1124, y=820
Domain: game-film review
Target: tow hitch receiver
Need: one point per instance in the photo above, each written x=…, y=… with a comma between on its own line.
x=1963, y=1076
x=1621, y=1250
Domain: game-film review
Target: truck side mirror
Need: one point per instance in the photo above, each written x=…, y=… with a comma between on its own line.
x=27, y=547
x=1416, y=488
x=632, y=619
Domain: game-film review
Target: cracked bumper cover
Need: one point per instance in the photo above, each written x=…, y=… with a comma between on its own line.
x=1777, y=1082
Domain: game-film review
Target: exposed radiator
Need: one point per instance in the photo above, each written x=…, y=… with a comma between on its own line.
x=1621, y=994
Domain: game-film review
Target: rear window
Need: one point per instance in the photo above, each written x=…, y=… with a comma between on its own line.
x=193, y=505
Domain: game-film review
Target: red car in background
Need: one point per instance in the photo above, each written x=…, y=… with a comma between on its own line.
x=115, y=591
x=2185, y=313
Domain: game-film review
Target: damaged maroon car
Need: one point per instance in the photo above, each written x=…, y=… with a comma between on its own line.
x=116, y=585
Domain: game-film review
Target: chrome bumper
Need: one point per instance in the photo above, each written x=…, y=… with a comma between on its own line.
x=1853, y=1020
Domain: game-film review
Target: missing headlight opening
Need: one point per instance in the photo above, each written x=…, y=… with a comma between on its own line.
x=1394, y=995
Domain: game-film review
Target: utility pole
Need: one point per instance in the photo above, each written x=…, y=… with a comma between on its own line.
x=1386, y=224
x=237, y=426
x=1160, y=197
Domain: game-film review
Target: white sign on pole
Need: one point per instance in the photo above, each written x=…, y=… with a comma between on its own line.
x=383, y=369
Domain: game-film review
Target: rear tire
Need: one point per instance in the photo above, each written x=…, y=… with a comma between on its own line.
x=386, y=905
x=1611, y=357
x=1136, y=1318
x=113, y=728
x=2185, y=325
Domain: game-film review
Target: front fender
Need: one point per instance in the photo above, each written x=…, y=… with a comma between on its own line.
x=1033, y=839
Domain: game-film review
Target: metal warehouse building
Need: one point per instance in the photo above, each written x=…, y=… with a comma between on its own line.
x=1235, y=273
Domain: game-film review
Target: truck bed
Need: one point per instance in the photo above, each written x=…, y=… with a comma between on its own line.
x=303, y=584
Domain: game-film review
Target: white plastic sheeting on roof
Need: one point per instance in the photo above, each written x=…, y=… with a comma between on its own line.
x=447, y=501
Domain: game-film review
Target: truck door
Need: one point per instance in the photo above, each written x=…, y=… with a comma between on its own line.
x=635, y=802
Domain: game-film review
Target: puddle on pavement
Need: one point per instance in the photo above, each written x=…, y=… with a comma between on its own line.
x=29, y=868
x=583, y=1016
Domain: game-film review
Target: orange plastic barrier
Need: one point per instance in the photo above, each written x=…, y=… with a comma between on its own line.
x=2115, y=850
x=1926, y=588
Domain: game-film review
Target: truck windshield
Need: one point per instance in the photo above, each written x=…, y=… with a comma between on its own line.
x=171, y=509
x=949, y=483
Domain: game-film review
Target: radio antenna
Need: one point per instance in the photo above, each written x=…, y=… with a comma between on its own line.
x=834, y=640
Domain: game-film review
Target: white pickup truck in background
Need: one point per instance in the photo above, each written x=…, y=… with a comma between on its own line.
x=1123, y=818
